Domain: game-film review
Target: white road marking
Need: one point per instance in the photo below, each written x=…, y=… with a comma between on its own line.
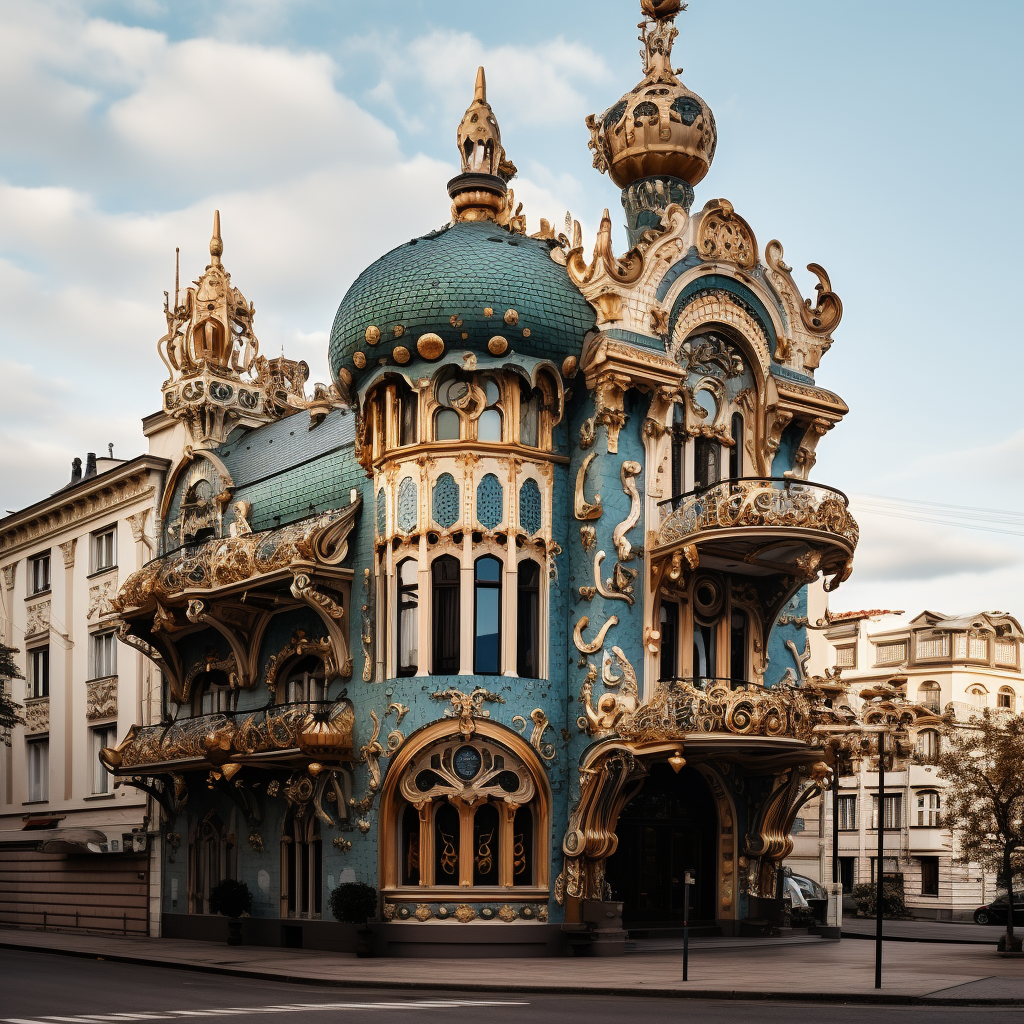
x=122, y=1018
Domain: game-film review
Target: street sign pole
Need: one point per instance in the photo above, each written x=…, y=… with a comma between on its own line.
x=687, y=882
x=879, y=859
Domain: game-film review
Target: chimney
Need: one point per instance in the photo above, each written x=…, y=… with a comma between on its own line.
x=76, y=471
x=90, y=465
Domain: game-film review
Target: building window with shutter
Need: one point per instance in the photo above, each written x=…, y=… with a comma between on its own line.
x=847, y=810
x=893, y=812
x=38, y=770
x=104, y=655
x=39, y=574
x=104, y=549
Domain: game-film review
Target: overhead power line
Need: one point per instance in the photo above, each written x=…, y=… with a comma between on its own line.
x=962, y=517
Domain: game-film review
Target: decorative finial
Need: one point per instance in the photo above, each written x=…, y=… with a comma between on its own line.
x=480, y=90
x=216, y=242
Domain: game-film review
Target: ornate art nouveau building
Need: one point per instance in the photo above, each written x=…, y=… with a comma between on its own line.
x=500, y=642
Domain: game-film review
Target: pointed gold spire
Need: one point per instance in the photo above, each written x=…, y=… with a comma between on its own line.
x=480, y=91
x=216, y=242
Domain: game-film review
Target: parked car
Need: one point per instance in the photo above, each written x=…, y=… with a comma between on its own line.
x=996, y=911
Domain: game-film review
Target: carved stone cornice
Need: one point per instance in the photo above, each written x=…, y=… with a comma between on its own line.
x=79, y=505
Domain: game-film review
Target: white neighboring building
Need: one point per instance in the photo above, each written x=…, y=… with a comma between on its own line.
x=970, y=662
x=72, y=847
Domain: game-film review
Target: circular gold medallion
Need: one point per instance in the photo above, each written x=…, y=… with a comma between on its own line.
x=345, y=376
x=488, y=311
x=497, y=345
x=526, y=332
x=430, y=346
x=372, y=334
x=401, y=354
x=511, y=317
x=398, y=330
x=569, y=365
x=359, y=358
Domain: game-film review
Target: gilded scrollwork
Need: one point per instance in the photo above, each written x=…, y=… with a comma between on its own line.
x=366, y=626
x=628, y=473
x=585, y=509
x=617, y=587
x=467, y=706
x=540, y=724
x=725, y=236
x=303, y=589
x=590, y=646
x=824, y=316
x=300, y=645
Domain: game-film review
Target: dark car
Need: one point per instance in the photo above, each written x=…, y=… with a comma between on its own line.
x=996, y=911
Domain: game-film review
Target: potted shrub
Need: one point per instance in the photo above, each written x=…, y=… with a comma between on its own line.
x=232, y=899
x=355, y=903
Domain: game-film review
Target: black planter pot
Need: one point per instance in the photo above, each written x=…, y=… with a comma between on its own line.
x=364, y=945
x=234, y=931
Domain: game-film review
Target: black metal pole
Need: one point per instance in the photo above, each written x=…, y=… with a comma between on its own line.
x=686, y=925
x=879, y=860
x=835, y=823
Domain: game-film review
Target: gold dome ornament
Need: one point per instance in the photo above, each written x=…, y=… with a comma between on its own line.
x=660, y=129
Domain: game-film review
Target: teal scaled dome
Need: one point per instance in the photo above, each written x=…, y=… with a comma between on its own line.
x=465, y=284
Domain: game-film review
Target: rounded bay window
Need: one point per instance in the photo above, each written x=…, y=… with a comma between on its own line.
x=465, y=813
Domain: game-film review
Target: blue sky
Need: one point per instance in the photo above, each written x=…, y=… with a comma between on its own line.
x=881, y=140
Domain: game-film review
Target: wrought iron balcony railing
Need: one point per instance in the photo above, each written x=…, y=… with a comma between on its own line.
x=757, y=502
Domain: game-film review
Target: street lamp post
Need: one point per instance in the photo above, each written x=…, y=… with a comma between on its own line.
x=880, y=859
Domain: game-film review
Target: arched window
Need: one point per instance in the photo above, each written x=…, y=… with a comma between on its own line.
x=707, y=607
x=407, y=417
x=928, y=745
x=487, y=616
x=928, y=808
x=445, y=614
x=465, y=814
x=529, y=416
x=214, y=694
x=305, y=682
x=212, y=858
x=736, y=451
x=928, y=694
x=302, y=868
x=707, y=458
x=446, y=425
x=528, y=619
x=1006, y=698
x=408, y=618
x=669, y=624
x=979, y=696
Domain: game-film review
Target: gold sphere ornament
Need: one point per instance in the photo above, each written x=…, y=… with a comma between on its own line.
x=398, y=330
x=497, y=346
x=401, y=354
x=488, y=311
x=511, y=317
x=569, y=366
x=359, y=358
x=430, y=346
x=372, y=334
x=345, y=375
x=677, y=761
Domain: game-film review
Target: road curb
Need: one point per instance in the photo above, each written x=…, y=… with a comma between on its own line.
x=888, y=999
x=928, y=942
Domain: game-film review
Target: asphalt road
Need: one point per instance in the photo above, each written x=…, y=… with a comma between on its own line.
x=37, y=988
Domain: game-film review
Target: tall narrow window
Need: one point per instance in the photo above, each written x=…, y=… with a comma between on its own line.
x=408, y=617
x=104, y=549
x=410, y=846
x=486, y=845
x=522, y=847
x=306, y=683
x=487, y=617
x=104, y=736
x=529, y=416
x=738, y=647
x=104, y=655
x=407, y=419
x=305, y=868
x=928, y=745
x=705, y=658
x=489, y=425
x=39, y=672
x=847, y=811
x=706, y=455
x=677, y=461
x=736, y=451
x=528, y=620
x=445, y=572
x=38, y=770
x=669, y=640
x=39, y=578
x=446, y=845
x=893, y=811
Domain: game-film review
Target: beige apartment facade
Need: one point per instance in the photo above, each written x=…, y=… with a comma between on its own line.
x=75, y=848
x=956, y=664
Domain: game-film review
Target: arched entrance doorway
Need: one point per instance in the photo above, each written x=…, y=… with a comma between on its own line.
x=669, y=826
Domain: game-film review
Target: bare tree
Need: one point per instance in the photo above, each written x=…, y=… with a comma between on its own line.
x=985, y=800
x=10, y=712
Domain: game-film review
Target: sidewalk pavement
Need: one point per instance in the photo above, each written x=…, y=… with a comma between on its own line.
x=775, y=969
x=924, y=931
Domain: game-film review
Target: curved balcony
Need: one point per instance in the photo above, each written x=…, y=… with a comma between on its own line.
x=284, y=734
x=762, y=526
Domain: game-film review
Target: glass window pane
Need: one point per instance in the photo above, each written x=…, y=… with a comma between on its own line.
x=529, y=417
x=528, y=620
x=669, y=640
x=445, y=611
x=522, y=847
x=410, y=846
x=492, y=391
x=446, y=425
x=489, y=425
x=408, y=618
x=446, y=845
x=485, y=845
x=487, y=618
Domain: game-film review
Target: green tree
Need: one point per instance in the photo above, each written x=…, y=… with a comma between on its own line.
x=985, y=799
x=10, y=711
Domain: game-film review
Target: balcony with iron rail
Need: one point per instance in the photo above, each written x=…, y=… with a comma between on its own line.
x=761, y=526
